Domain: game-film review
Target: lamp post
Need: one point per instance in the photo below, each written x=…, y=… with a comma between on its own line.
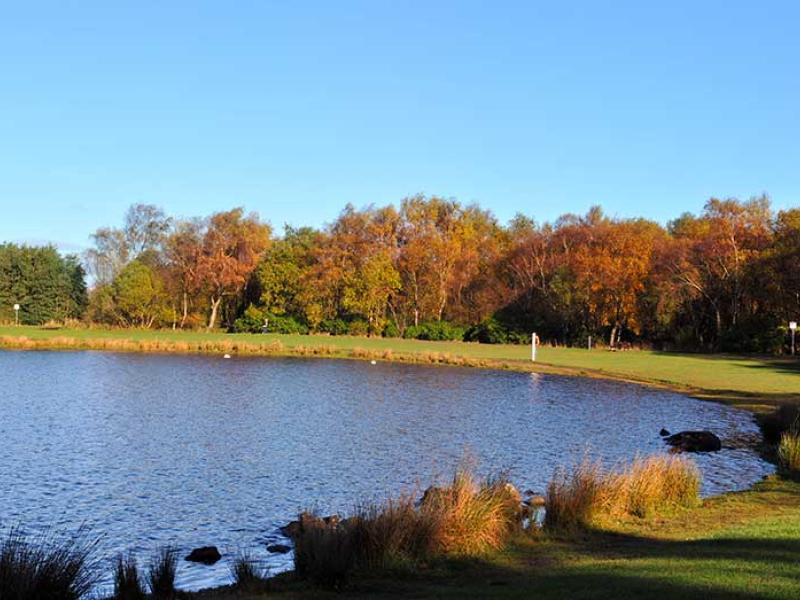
x=16, y=315
x=793, y=328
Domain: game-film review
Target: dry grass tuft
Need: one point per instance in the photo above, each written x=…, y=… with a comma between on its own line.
x=469, y=517
x=645, y=487
x=789, y=451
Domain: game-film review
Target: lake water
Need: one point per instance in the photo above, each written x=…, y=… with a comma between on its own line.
x=149, y=450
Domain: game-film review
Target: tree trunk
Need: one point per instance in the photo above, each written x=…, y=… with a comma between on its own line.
x=185, y=309
x=212, y=319
x=612, y=340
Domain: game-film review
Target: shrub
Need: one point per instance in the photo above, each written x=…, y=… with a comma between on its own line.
x=334, y=326
x=489, y=331
x=789, y=451
x=645, y=487
x=161, y=573
x=127, y=583
x=391, y=330
x=250, y=322
x=46, y=567
x=358, y=327
x=434, y=331
x=288, y=325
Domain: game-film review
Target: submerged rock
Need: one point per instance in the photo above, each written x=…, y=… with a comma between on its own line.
x=694, y=441
x=207, y=555
x=278, y=549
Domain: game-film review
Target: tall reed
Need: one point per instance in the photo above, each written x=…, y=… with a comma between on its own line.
x=46, y=567
x=789, y=451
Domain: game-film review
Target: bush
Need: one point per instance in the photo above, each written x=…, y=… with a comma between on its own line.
x=391, y=330
x=46, y=567
x=334, y=326
x=358, y=327
x=161, y=573
x=645, y=487
x=127, y=583
x=434, y=331
x=489, y=331
x=250, y=322
x=288, y=325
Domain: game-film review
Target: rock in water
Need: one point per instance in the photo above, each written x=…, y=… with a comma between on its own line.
x=207, y=555
x=663, y=433
x=694, y=441
x=278, y=548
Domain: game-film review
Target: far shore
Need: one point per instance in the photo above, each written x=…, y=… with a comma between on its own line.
x=755, y=383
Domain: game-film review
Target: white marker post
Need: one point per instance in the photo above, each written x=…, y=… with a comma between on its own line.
x=793, y=328
x=534, y=343
x=16, y=315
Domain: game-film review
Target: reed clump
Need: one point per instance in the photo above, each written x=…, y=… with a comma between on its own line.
x=468, y=517
x=161, y=573
x=789, y=451
x=128, y=583
x=46, y=567
x=588, y=494
x=247, y=574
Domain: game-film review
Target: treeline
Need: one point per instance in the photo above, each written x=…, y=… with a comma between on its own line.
x=432, y=268
x=46, y=285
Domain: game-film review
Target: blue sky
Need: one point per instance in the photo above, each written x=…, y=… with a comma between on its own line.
x=293, y=109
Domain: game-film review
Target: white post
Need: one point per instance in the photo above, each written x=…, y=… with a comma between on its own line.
x=590, y=342
x=793, y=328
x=534, y=342
x=16, y=315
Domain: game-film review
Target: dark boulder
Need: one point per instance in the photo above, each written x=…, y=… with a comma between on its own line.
x=278, y=548
x=694, y=441
x=207, y=555
x=663, y=433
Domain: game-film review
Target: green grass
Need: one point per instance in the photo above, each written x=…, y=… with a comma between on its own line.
x=735, y=378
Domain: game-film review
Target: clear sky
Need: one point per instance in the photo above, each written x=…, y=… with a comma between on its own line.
x=293, y=109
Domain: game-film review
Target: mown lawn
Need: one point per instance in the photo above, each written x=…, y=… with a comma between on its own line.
x=721, y=376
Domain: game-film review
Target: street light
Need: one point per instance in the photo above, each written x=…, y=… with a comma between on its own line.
x=792, y=328
x=16, y=315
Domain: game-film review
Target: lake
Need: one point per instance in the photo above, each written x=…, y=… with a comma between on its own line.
x=149, y=450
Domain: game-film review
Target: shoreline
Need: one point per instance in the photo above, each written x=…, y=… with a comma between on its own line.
x=752, y=401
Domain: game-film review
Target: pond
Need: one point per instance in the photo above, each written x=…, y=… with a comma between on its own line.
x=150, y=450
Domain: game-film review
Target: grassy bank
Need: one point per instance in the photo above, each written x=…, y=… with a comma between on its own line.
x=740, y=545
x=744, y=380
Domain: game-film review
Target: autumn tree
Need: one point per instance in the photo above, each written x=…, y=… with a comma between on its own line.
x=232, y=247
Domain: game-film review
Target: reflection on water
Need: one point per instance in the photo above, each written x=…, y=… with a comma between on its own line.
x=190, y=450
